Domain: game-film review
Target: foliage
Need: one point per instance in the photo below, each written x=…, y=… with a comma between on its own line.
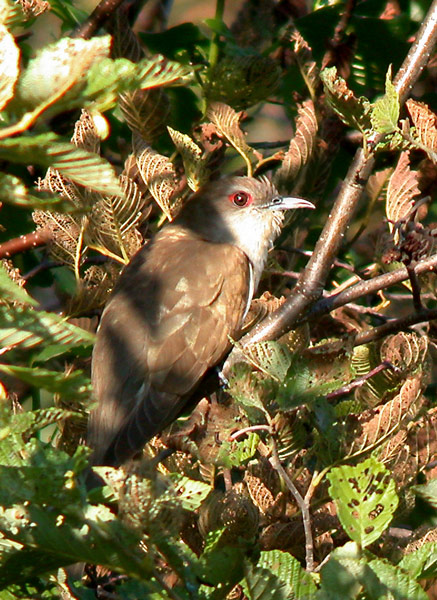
x=323, y=447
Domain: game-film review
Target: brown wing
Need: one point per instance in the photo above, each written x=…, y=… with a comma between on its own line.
x=167, y=322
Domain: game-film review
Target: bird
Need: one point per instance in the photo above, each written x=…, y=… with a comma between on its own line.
x=177, y=304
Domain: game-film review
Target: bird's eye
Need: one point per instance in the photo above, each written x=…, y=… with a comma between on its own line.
x=241, y=199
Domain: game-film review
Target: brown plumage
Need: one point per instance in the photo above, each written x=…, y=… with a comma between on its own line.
x=174, y=308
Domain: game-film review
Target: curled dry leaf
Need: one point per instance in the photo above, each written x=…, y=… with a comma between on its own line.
x=158, y=174
x=305, y=61
x=425, y=122
x=401, y=191
x=227, y=123
x=301, y=145
x=85, y=134
x=64, y=241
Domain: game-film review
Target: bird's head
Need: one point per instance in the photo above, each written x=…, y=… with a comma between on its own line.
x=243, y=211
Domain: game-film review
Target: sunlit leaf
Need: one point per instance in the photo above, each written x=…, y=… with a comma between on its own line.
x=9, y=58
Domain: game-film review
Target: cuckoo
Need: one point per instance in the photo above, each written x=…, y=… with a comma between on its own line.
x=174, y=309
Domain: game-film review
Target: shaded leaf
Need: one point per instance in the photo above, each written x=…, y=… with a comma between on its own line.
x=13, y=191
x=26, y=327
x=289, y=571
x=68, y=385
x=365, y=496
x=84, y=168
x=192, y=156
x=397, y=583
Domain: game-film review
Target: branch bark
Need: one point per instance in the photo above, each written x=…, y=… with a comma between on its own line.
x=313, y=279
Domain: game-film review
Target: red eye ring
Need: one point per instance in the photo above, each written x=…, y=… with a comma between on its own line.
x=241, y=199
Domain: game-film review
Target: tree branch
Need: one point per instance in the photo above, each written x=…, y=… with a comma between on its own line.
x=103, y=11
x=24, y=242
x=313, y=279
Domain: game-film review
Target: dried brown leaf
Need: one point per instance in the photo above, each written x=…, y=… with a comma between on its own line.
x=158, y=174
x=301, y=145
x=425, y=122
x=145, y=111
x=64, y=244
x=306, y=63
x=377, y=183
x=402, y=189
x=227, y=122
x=85, y=134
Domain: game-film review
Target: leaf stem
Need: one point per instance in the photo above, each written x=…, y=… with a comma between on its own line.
x=214, y=47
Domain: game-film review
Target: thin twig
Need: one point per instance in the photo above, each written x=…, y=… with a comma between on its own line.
x=245, y=430
x=302, y=504
x=346, y=389
x=103, y=11
x=25, y=242
x=395, y=325
x=370, y=286
x=415, y=287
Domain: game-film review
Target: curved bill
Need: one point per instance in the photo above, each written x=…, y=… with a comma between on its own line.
x=288, y=203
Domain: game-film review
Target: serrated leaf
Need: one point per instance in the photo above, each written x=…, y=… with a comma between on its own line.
x=236, y=453
x=397, y=583
x=114, y=219
x=145, y=111
x=260, y=584
x=26, y=327
x=58, y=67
x=385, y=111
x=227, y=122
x=305, y=61
x=422, y=562
x=402, y=189
x=301, y=145
x=425, y=123
x=299, y=584
x=192, y=156
x=9, y=290
x=271, y=357
x=70, y=386
x=352, y=110
x=427, y=492
x=9, y=58
x=84, y=168
x=365, y=497
x=158, y=173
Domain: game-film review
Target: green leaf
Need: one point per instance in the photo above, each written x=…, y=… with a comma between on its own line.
x=9, y=290
x=9, y=58
x=13, y=191
x=427, y=492
x=72, y=386
x=385, y=111
x=299, y=584
x=59, y=67
x=271, y=357
x=26, y=328
x=346, y=573
x=398, y=585
x=365, y=496
x=234, y=453
x=78, y=165
x=422, y=563
x=261, y=584
x=191, y=493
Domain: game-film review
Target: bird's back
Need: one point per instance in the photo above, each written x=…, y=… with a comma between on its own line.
x=167, y=322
